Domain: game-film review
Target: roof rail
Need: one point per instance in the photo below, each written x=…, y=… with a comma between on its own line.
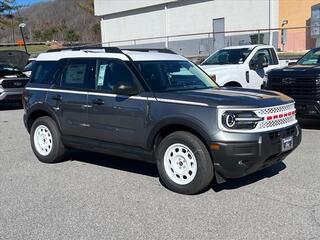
x=160, y=50
x=88, y=48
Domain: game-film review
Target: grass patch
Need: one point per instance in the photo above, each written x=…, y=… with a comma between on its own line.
x=32, y=49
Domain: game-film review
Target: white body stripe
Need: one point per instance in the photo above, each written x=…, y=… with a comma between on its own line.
x=182, y=102
x=115, y=95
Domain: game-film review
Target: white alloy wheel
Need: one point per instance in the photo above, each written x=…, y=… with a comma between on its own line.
x=43, y=140
x=180, y=164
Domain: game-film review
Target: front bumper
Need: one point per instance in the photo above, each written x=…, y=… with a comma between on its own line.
x=12, y=95
x=238, y=159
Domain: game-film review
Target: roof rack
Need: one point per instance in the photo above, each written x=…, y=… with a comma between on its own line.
x=88, y=48
x=113, y=49
x=160, y=50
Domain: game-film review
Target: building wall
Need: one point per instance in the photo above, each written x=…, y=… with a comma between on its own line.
x=105, y=7
x=298, y=14
x=148, y=19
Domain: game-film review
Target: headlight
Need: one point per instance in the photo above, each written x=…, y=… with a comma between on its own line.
x=240, y=120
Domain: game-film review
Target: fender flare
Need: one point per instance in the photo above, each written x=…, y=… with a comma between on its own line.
x=43, y=107
x=184, y=121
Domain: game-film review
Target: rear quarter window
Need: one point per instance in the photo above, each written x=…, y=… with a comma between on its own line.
x=43, y=72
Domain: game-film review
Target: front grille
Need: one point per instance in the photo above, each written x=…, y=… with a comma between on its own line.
x=276, y=117
x=277, y=122
x=296, y=87
x=14, y=83
x=276, y=109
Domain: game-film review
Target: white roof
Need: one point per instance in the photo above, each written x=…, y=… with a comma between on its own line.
x=152, y=56
x=99, y=53
x=248, y=46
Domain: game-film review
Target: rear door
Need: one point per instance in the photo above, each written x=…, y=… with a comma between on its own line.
x=115, y=118
x=68, y=97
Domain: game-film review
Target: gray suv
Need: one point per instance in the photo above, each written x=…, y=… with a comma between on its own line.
x=156, y=106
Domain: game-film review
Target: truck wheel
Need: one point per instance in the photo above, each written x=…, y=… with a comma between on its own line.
x=45, y=140
x=184, y=163
x=232, y=84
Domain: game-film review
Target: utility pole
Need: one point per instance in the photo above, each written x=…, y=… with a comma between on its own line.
x=270, y=33
x=166, y=25
x=21, y=26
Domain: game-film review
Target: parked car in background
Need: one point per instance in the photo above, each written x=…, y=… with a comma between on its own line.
x=12, y=79
x=155, y=106
x=300, y=81
x=241, y=66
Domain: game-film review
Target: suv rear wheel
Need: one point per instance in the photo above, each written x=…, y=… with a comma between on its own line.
x=184, y=163
x=45, y=140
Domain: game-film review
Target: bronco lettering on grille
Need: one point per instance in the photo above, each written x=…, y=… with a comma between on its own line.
x=282, y=115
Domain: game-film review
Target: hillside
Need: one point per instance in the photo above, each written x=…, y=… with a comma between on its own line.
x=60, y=20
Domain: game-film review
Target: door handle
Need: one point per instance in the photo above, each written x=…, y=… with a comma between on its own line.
x=98, y=101
x=247, y=77
x=57, y=97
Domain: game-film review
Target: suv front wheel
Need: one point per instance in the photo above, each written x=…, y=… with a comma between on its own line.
x=184, y=163
x=45, y=140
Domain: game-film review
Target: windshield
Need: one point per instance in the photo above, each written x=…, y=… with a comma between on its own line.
x=228, y=56
x=163, y=76
x=29, y=66
x=311, y=58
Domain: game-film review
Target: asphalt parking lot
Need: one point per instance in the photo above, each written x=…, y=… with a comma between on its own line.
x=94, y=196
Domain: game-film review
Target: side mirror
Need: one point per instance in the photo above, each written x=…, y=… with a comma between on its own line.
x=292, y=63
x=127, y=89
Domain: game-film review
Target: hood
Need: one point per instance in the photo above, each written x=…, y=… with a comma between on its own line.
x=215, y=68
x=14, y=58
x=249, y=98
x=304, y=71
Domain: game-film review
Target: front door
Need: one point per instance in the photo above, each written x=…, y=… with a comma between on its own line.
x=115, y=118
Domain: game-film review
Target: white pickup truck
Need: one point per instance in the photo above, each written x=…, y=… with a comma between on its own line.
x=241, y=66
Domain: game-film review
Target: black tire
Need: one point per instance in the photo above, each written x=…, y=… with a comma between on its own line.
x=232, y=84
x=204, y=174
x=58, y=151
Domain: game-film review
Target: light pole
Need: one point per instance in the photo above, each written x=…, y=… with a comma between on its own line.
x=284, y=34
x=21, y=26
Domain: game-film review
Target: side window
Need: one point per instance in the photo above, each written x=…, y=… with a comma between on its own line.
x=77, y=73
x=274, y=57
x=110, y=73
x=42, y=73
x=262, y=55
